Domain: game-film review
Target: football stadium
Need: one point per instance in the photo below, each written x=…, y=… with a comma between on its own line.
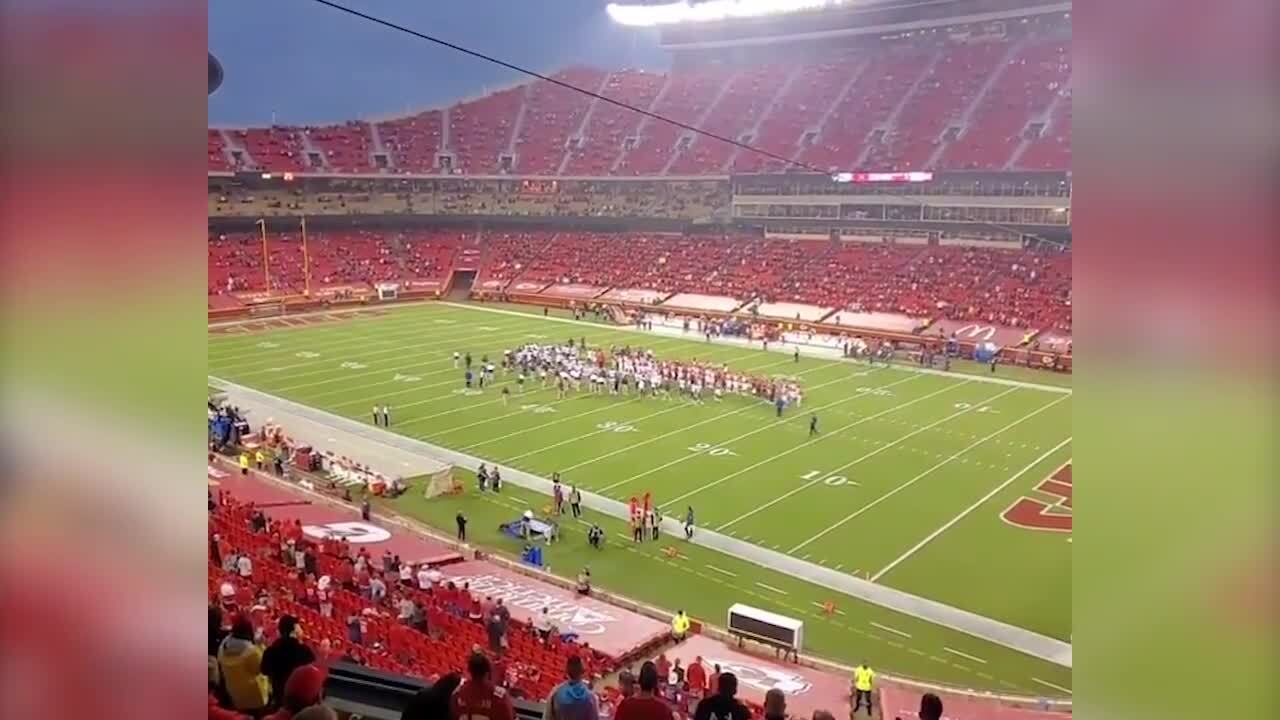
x=756, y=366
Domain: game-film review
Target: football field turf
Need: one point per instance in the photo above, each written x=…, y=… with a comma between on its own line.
x=905, y=483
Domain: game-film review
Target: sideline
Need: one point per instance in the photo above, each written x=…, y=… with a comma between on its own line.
x=815, y=352
x=988, y=629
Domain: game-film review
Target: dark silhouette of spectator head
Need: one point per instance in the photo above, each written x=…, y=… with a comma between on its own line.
x=626, y=683
x=287, y=625
x=478, y=667
x=242, y=629
x=775, y=704
x=728, y=685
x=648, y=677
x=930, y=707
x=823, y=715
x=433, y=702
x=316, y=712
x=574, y=668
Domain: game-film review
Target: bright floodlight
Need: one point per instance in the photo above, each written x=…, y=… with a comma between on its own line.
x=711, y=10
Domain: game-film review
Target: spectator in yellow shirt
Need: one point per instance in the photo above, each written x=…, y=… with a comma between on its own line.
x=680, y=625
x=863, y=680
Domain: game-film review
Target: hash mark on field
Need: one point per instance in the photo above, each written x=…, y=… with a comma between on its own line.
x=895, y=631
x=1046, y=683
x=964, y=655
x=722, y=572
x=774, y=589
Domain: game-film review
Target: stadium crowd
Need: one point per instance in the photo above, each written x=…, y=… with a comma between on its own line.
x=1013, y=287
x=271, y=586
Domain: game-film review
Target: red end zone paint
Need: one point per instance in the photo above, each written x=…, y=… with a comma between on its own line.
x=807, y=689
x=904, y=701
x=1035, y=513
x=607, y=628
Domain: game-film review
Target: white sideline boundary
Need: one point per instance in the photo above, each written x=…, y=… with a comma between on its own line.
x=822, y=353
x=984, y=628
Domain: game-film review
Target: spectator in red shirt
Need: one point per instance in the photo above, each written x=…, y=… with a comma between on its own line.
x=478, y=698
x=696, y=677
x=646, y=705
x=304, y=688
x=664, y=669
x=216, y=712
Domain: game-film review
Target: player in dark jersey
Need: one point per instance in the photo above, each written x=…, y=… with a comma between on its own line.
x=813, y=425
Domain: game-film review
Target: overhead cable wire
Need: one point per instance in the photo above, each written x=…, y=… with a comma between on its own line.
x=568, y=86
x=641, y=111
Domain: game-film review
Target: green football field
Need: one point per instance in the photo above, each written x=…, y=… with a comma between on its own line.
x=905, y=483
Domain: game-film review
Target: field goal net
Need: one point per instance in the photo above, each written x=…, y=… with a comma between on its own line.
x=442, y=482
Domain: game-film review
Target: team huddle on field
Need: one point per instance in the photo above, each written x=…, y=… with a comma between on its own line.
x=626, y=370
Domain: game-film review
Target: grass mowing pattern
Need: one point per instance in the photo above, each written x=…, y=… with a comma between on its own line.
x=899, y=456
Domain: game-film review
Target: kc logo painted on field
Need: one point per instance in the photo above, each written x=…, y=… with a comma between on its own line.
x=1035, y=513
x=353, y=532
x=763, y=677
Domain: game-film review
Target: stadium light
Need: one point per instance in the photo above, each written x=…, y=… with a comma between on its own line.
x=710, y=11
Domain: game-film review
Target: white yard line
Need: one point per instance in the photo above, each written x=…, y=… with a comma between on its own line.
x=749, y=433
x=986, y=629
x=964, y=513
x=820, y=438
x=508, y=379
x=515, y=398
x=1048, y=684
x=786, y=349
x=337, y=324
x=895, y=631
x=966, y=656
x=774, y=589
x=557, y=421
x=713, y=568
x=575, y=439
x=913, y=480
x=684, y=429
x=351, y=336
x=865, y=456
x=419, y=363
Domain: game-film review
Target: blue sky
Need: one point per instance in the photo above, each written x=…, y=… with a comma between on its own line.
x=303, y=63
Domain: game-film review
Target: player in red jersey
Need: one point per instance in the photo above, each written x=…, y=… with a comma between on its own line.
x=478, y=698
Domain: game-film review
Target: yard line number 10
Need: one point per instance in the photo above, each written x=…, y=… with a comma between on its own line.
x=831, y=481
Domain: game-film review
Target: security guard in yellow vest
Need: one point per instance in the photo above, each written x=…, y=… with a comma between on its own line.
x=244, y=463
x=863, y=679
x=680, y=625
